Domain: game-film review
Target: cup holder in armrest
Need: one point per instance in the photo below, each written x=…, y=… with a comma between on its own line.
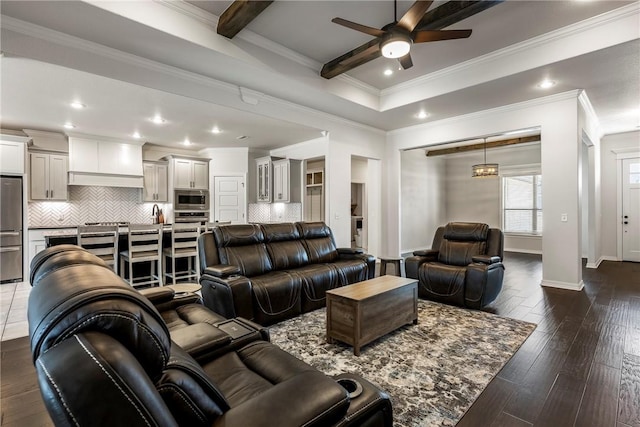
x=352, y=386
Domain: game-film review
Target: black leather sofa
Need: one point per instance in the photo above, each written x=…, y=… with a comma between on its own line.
x=463, y=267
x=104, y=355
x=271, y=272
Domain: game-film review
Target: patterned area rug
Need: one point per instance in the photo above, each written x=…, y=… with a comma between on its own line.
x=433, y=371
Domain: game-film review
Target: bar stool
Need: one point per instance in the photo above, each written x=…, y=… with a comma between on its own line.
x=145, y=244
x=102, y=241
x=395, y=261
x=184, y=244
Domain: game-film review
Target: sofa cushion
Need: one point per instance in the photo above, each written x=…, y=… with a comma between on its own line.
x=284, y=246
x=243, y=246
x=441, y=282
x=351, y=271
x=318, y=241
x=317, y=279
x=460, y=253
x=276, y=296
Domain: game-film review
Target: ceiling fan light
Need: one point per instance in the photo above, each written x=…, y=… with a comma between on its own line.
x=396, y=46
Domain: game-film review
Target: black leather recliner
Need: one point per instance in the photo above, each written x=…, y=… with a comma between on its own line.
x=104, y=356
x=463, y=267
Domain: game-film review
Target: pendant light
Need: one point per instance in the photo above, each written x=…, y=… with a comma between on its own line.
x=484, y=170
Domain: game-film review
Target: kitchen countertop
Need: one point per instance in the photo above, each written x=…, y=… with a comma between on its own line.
x=71, y=231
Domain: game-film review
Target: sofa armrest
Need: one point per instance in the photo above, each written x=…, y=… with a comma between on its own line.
x=230, y=296
x=350, y=251
x=430, y=253
x=200, y=339
x=158, y=295
x=310, y=398
x=486, y=259
x=221, y=270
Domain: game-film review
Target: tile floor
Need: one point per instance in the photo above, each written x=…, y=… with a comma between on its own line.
x=13, y=310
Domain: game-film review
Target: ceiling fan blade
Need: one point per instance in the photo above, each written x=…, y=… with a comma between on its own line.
x=415, y=13
x=437, y=35
x=375, y=32
x=406, y=61
x=372, y=50
x=238, y=15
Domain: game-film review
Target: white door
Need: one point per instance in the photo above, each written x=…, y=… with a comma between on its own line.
x=631, y=210
x=228, y=199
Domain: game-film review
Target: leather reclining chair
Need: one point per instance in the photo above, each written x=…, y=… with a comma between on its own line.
x=104, y=356
x=464, y=266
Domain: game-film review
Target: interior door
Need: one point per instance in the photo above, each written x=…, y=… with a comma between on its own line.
x=631, y=210
x=229, y=199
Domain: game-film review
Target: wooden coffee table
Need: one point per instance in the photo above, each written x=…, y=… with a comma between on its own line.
x=363, y=312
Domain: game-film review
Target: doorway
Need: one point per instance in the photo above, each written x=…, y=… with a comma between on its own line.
x=229, y=199
x=631, y=209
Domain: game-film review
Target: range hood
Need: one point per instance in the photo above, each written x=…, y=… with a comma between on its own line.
x=104, y=163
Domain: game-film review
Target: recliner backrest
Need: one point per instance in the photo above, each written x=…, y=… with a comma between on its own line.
x=318, y=241
x=461, y=241
x=243, y=246
x=103, y=352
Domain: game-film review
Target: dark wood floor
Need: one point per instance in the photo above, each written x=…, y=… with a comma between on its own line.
x=581, y=366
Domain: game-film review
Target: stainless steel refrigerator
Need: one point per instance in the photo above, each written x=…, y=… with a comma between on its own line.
x=10, y=229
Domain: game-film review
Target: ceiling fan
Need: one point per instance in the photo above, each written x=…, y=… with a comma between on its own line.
x=397, y=37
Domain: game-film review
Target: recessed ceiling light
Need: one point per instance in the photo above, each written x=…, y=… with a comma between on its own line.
x=157, y=119
x=388, y=72
x=69, y=125
x=216, y=130
x=186, y=142
x=546, y=84
x=78, y=105
x=422, y=115
x=136, y=135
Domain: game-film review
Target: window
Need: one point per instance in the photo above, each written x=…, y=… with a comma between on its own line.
x=634, y=173
x=522, y=204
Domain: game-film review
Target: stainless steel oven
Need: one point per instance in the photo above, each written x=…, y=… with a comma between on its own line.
x=191, y=200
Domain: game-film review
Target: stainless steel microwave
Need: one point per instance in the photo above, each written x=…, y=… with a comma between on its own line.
x=191, y=200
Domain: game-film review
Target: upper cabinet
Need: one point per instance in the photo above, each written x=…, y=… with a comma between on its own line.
x=48, y=176
x=263, y=173
x=286, y=181
x=278, y=180
x=12, y=156
x=190, y=174
x=155, y=182
x=108, y=163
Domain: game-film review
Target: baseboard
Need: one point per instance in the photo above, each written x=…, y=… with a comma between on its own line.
x=524, y=251
x=602, y=258
x=563, y=285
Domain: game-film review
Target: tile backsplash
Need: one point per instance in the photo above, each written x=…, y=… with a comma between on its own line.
x=92, y=204
x=275, y=212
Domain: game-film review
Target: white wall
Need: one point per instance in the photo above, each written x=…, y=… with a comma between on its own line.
x=609, y=180
x=478, y=199
x=557, y=116
x=423, y=199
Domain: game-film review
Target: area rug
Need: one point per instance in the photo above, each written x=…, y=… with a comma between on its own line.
x=433, y=371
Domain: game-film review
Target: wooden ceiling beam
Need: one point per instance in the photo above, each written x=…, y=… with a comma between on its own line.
x=441, y=17
x=239, y=14
x=480, y=146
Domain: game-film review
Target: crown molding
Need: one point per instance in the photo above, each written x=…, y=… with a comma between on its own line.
x=33, y=30
x=579, y=27
x=359, y=84
x=572, y=94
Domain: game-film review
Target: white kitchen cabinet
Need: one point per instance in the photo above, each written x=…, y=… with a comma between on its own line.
x=48, y=176
x=286, y=181
x=263, y=166
x=12, y=157
x=191, y=174
x=155, y=182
